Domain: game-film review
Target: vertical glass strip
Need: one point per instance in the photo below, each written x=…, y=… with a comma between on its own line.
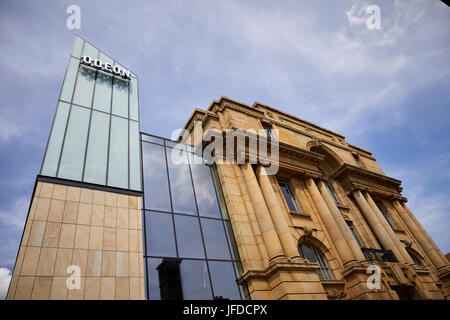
x=85, y=86
x=118, y=153
x=90, y=50
x=120, y=98
x=97, y=152
x=135, y=157
x=72, y=157
x=69, y=80
x=103, y=89
x=77, y=47
x=134, y=108
x=55, y=141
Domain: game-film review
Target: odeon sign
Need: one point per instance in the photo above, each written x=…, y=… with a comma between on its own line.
x=107, y=67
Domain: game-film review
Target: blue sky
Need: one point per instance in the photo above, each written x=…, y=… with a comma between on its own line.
x=386, y=90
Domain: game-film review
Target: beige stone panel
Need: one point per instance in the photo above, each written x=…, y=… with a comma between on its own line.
x=94, y=265
x=84, y=213
x=133, y=216
x=96, y=238
x=122, y=218
x=46, y=263
x=19, y=260
x=141, y=265
x=46, y=190
x=51, y=235
x=30, y=261
x=140, y=246
x=67, y=236
x=134, y=242
x=37, y=191
x=12, y=288
x=27, y=231
x=86, y=195
x=142, y=288
x=134, y=288
x=135, y=260
x=63, y=261
x=73, y=194
x=41, y=288
x=42, y=209
x=133, y=202
x=59, y=288
x=24, y=288
x=109, y=238
x=122, y=240
x=59, y=192
x=82, y=237
x=56, y=211
x=70, y=212
x=110, y=217
x=92, y=288
x=37, y=233
x=98, y=215
x=111, y=199
x=108, y=263
x=107, y=288
x=33, y=207
x=80, y=258
x=77, y=294
x=122, y=288
x=122, y=201
x=99, y=197
x=122, y=264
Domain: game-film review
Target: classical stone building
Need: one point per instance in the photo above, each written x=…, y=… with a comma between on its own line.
x=113, y=215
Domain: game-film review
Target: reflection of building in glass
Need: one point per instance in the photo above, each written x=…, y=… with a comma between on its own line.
x=141, y=225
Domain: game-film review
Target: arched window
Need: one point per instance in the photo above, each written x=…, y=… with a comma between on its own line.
x=313, y=254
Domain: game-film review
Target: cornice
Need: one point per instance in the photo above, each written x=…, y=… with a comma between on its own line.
x=348, y=169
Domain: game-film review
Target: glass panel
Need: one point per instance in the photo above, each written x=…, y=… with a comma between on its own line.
x=156, y=186
x=72, y=158
x=69, y=81
x=308, y=253
x=102, y=93
x=84, y=87
x=331, y=191
x=118, y=153
x=55, y=141
x=90, y=50
x=205, y=191
x=180, y=182
x=215, y=240
x=164, y=279
x=188, y=235
x=159, y=234
x=224, y=280
x=134, y=108
x=97, y=154
x=105, y=59
x=120, y=97
x=77, y=47
x=148, y=138
x=195, y=280
x=135, y=157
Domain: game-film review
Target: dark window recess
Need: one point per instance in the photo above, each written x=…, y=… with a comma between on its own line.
x=385, y=214
x=313, y=254
x=268, y=129
x=332, y=192
x=356, y=157
x=352, y=229
x=289, y=196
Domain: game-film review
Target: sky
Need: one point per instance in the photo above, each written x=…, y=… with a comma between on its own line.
x=386, y=90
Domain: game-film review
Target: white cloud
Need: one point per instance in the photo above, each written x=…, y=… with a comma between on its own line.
x=5, y=278
x=15, y=215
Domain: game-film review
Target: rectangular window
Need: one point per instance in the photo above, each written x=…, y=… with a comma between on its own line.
x=352, y=229
x=385, y=214
x=268, y=128
x=358, y=162
x=332, y=192
x=289, y=196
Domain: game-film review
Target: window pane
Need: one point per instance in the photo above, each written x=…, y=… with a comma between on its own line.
x=205, y=191
x=102, y=94
x=135, y=157
x=90, y=51
x=72, y=158
x=224, y=280
x=195, y=280
x=152, y=139
x=134, y=109
x=55, y=141
x=159, y=234
x=118, y=153
x=308, y=253
x=215, y=239
x=188, y=235
x=180, y=182
x=69, y=80
x=120, y=97
x=156, y=186
x=97, y=154
x=77, y=47
x=164, y=279
x=84, y=87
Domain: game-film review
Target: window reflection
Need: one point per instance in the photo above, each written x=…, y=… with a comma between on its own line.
x=215, y=240
x=188, y=236
x=195, y=280
x=224, y=280
x=204, y=189
x=160, y=243
x=164, y=279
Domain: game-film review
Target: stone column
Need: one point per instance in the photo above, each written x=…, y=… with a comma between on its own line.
x=404, y=254
x=426, y=246
x=269, y=234
x=276, y=212
x=375, y=224
x=335, y=233
x=342, y=225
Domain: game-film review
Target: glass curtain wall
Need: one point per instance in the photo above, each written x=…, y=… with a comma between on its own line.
x=95, y=132
x=190, y=251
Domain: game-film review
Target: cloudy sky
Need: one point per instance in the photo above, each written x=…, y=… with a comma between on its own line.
x=386, y=90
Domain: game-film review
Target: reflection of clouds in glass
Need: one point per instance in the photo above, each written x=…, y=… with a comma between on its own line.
x=193, y=273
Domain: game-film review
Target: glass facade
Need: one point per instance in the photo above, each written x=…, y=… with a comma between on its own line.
x=190, y=251
x=95, y=132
